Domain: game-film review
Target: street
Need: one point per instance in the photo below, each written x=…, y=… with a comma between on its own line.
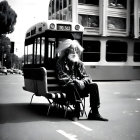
x=120, y=103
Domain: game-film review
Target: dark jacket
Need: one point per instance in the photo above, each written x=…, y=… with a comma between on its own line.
x=68, y=71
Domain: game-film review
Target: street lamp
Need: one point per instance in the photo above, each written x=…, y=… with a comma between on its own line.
x=2, y=55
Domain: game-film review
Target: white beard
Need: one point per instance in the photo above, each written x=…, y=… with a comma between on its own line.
x=73, y=57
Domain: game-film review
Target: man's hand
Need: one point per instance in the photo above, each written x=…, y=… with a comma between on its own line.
x=79, y=83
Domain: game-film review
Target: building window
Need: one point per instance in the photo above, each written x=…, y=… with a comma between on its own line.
x=53, y=6
x=137, y=52
x=61, y=4
x=64, y=3
x=116, y=23
x=62, y=11
x=116, y=51
x=50, y=10
x=117, y=4
x=88, y=20
x=91, y=51
x=93, y=2
x=70, y=2
x=70, y=13
x=57, y=6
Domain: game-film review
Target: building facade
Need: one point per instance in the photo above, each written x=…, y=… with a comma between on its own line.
x=111, y=35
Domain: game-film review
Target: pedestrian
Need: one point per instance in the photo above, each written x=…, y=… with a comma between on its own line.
x=76, y=83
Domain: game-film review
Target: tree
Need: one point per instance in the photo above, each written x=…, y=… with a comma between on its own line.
x=4, y=47
x=7, y=22
x=7, y=18
x=4, y=41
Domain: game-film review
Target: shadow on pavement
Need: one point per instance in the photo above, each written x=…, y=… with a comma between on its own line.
x=23, y=112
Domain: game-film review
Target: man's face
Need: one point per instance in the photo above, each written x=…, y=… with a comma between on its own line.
x=73, y=54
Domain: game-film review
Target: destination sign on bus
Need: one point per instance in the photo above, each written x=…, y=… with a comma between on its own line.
x=63, y=27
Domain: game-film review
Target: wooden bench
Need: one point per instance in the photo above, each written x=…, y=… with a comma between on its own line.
x=42, y=82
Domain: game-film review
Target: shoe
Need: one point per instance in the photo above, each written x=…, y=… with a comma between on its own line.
x=75, y=118
x=96, y=117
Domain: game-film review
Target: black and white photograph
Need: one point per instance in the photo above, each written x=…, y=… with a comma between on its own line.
x=69, y=69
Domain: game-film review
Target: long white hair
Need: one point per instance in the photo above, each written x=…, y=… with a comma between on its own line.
x=66, y=44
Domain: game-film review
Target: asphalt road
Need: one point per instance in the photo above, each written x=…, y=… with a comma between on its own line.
x=120, y=103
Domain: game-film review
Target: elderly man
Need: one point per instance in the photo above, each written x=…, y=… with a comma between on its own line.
x=74, y=79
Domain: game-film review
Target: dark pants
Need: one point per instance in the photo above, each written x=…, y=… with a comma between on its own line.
x=74, y=94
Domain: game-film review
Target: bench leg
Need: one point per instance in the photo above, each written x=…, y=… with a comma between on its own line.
x=50, y=104
x=66, y=111
x=32, y=98
x=48, y=110
x=83, y=106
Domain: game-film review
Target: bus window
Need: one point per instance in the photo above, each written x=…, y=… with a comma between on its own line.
x=137, y=52
x=35, y=52
x=94, y=2
x=42, y=49
x=30, y=54
x=91, y=51
x=116, y=51
x=51, y=48
x=28, y=57
x=38, y=51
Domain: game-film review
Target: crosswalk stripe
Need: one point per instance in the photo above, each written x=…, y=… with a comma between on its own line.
x=82, y=126
x=67, y=135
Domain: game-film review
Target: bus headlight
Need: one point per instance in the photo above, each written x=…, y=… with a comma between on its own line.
x=77, y=27
x=52, y=26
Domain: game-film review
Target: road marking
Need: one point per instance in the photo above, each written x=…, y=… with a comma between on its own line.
x=67, y=135
x=82, y=126
x=138, y=99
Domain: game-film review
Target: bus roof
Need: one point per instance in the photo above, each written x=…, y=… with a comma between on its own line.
x=57, y=25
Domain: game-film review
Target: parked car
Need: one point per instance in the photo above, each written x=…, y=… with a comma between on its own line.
x=17, y=71
x=3, y=70
x=10, y=71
